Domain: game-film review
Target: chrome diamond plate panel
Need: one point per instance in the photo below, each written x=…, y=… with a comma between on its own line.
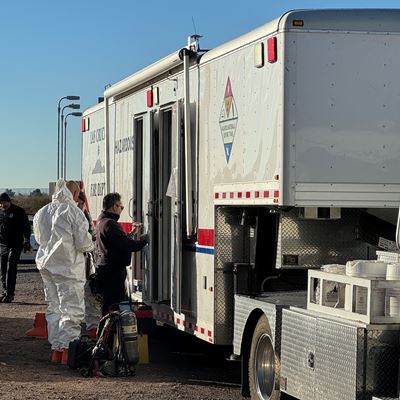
x=298, y=343
x=318, y=242
x=271, y=305
x=339, y=361
x=231, y=245
x=352, y=361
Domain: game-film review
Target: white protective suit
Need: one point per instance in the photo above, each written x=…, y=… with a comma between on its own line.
x=61, y=230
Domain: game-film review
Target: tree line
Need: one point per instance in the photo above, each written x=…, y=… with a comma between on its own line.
x=31, y=202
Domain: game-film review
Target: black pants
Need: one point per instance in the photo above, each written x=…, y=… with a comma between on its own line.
x=111, y=279
x=9, y=257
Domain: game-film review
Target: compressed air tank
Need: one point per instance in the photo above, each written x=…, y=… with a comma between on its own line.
x=129, y=337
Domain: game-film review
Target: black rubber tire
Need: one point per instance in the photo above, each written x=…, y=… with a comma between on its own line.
x=262, y=332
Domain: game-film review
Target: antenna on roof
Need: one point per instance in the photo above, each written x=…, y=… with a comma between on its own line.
x=194, y=25
x=193, y=40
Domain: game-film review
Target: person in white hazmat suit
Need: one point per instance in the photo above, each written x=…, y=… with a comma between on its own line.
x=61, y=230
x=92, y=306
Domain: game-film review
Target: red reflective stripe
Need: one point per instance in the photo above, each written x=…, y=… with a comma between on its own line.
x=247, y=195
x=224, y=195
x=217, y=195
x=266, y=193
x=257, y=194
x=276, y=193
x=83, y=125
x=239, y=195
x=206, y=237
x=209, y=333
x=231, y=195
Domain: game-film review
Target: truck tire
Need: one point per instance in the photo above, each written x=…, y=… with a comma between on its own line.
x=263, y=367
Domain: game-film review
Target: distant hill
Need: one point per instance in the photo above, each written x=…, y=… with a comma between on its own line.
x=24, y=190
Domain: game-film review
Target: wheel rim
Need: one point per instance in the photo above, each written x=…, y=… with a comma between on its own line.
x=264, y=367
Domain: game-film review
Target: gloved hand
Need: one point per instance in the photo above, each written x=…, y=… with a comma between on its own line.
x=144, y=237
x=136, y=226
x=27, y=248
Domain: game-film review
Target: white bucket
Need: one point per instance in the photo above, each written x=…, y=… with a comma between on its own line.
x=392, y=303
x=393, y=272
x=366, y=268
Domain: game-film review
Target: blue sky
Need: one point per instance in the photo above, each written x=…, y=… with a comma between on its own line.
x=52, y=48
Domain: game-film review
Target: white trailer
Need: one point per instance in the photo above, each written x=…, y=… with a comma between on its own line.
x=250, y=164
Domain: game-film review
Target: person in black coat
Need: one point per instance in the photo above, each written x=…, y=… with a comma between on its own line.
x=114, y=250
x=15, y=234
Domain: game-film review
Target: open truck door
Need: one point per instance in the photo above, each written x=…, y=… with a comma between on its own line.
x=164, y=206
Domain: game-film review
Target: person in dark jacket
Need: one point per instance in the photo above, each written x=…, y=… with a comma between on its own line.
x=15, y=234
x=114, y=250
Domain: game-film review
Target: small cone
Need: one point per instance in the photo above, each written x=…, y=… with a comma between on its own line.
x=39, y=328
x=64, y=358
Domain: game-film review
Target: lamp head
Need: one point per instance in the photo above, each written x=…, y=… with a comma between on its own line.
x=73, y=97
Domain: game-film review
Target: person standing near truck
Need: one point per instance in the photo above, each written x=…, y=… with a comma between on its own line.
x=92, y=312
x=62, y=232
x=114, y=250
x=15, y=234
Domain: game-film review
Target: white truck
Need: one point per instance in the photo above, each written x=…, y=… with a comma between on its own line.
x=251, y=165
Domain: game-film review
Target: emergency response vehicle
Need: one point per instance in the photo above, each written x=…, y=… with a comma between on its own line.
x=252, y=165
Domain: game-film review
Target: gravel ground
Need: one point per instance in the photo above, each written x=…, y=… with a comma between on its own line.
x=179, y=368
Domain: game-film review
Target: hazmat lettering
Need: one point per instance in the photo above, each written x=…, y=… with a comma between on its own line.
x=123, y=145
x=97, y=135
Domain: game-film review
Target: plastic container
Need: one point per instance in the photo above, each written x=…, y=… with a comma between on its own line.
x=393, y=272
x=334, y=268
x=366, y=269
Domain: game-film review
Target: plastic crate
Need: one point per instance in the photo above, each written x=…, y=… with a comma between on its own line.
x=388, y=256
x=358, y=299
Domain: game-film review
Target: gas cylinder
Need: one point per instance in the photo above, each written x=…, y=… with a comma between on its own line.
x=129, y=337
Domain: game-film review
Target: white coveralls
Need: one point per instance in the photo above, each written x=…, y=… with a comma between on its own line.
x=61, y=230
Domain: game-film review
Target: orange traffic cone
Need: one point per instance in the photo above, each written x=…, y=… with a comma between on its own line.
x=39, y=328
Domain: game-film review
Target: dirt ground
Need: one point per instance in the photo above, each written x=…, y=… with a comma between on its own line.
x=179, y=368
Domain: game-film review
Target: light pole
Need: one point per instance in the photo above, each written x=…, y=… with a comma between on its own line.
x=74, y=114
x=62, y=146
x=58, y=129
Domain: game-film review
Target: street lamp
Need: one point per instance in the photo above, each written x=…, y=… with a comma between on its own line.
x=74, y=107
x=58, y=129
x=74, y=114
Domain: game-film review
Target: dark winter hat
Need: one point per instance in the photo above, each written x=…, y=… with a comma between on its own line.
x=4, y=197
